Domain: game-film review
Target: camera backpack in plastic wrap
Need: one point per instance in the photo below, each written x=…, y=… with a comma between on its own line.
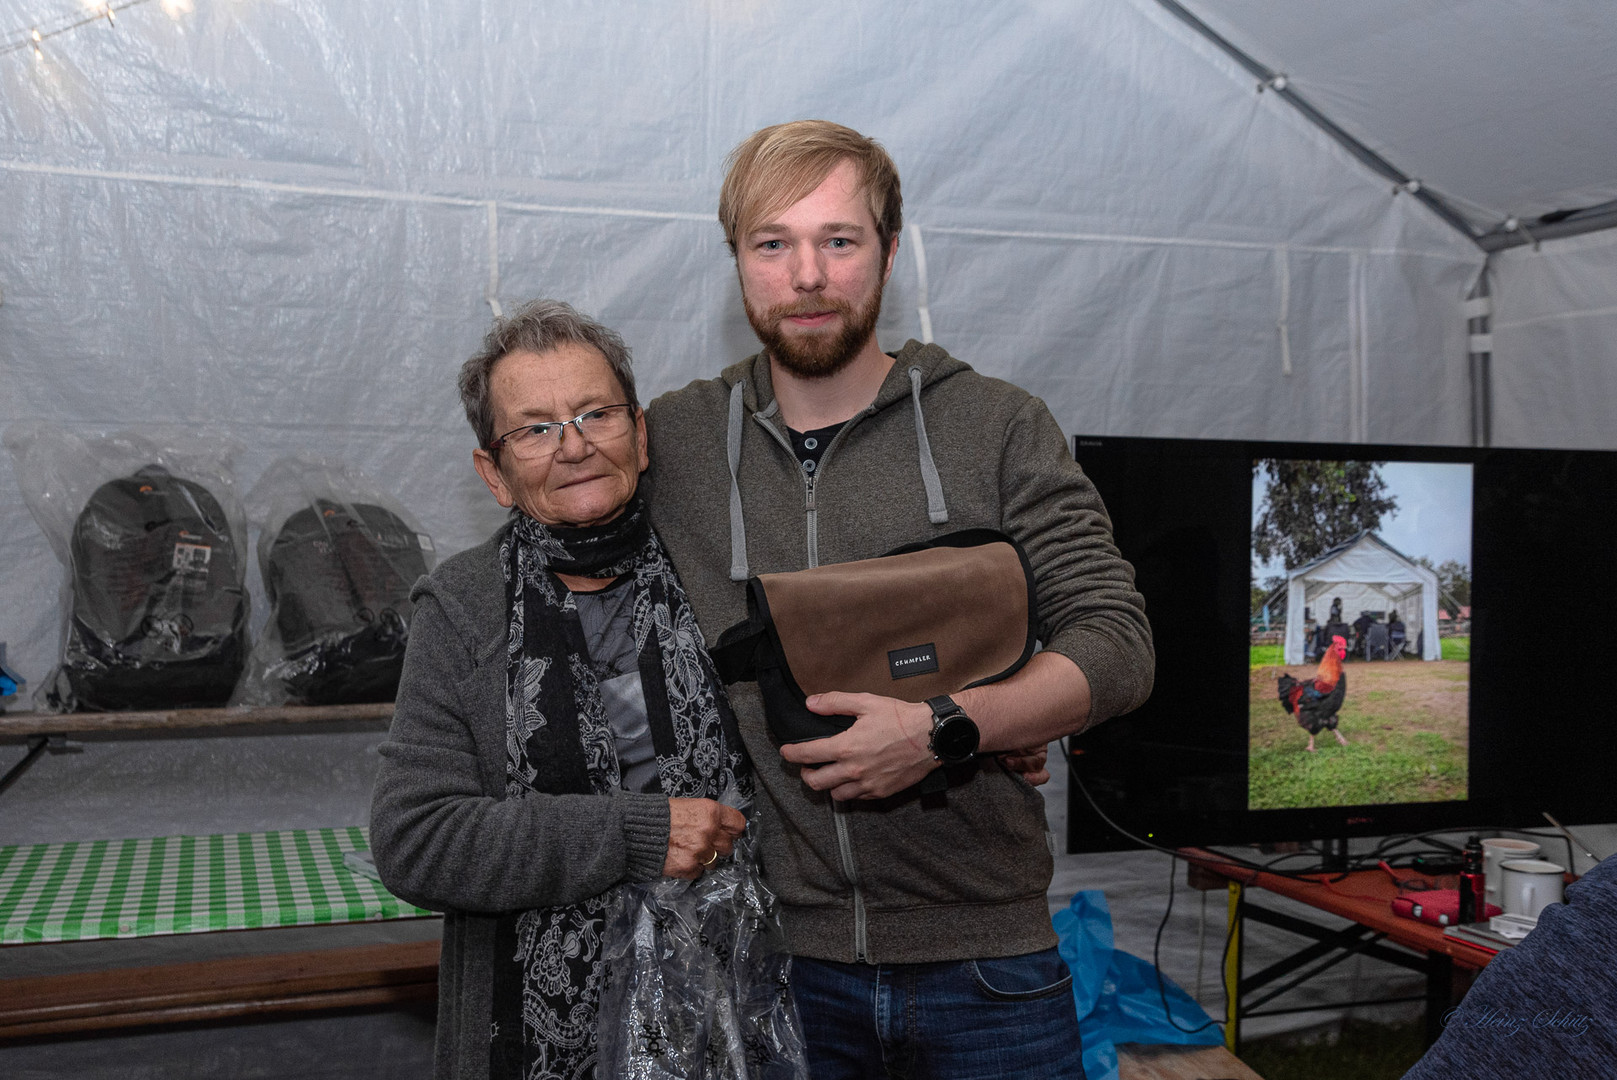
x=155, y=606
x=337, y=566
x=698, y=980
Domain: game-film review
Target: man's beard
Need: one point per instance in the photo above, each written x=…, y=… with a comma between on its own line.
x=816, y=354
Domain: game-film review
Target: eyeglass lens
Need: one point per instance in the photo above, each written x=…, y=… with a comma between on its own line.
x=597, y=425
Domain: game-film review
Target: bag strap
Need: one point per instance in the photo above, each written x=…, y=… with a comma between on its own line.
x=737, y=653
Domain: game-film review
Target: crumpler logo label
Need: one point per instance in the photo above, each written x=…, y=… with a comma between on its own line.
x=916, y=660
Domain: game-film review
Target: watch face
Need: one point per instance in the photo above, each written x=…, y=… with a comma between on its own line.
x=955, y=740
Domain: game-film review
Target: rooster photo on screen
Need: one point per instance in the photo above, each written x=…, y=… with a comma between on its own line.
x=1360, y=633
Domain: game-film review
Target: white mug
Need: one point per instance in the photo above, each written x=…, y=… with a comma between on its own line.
x=1531, y=885
x=1495, y=850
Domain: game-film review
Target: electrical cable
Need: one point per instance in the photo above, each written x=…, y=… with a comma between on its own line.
x=1232, y=860
x=1156, y=961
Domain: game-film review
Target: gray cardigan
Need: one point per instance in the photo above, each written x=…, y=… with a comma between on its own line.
x=442, y=832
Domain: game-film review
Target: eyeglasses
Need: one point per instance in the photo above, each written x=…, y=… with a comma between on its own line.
x=538, y=441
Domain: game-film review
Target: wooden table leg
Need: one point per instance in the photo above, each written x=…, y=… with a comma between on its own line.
x=1439, y=993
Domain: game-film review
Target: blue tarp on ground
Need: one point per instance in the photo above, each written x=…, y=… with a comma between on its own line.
x=1118, y=996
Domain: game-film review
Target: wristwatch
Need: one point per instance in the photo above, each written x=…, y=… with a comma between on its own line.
x=954, y=734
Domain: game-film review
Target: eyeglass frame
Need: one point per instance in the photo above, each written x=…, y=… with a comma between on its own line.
x=561, y=427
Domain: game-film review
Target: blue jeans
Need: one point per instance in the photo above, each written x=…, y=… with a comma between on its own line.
x=1010, y=1016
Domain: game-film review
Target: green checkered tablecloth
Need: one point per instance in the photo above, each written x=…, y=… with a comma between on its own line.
x=187, y=885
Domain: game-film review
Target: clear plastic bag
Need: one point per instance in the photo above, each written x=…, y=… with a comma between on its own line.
x=697, y=980
x=338, y=557
x=153, y=537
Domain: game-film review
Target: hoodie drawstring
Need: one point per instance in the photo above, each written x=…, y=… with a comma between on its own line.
x=738, y=527
x=936, y=510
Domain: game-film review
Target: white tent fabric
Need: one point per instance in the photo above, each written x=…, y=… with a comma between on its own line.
x=290, y=219
x=1555, y=344
x=1497, y=109
x=1367, y=575
x=1493, y=103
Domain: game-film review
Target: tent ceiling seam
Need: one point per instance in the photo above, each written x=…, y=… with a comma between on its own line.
x=1186, y=241
x=375, y=194
x=463, y=202
x=1509, y=231
x=1278, y=84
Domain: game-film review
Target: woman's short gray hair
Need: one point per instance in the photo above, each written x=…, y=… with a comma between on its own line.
x=537, y=327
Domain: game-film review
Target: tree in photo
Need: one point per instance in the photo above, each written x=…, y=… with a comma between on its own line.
x=1261, y=593
x=1310, y=507
x=1453, y=581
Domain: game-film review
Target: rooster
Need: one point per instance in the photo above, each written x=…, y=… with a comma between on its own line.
x=1315, y=701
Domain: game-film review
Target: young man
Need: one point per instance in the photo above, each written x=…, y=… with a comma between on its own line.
x=922, y=937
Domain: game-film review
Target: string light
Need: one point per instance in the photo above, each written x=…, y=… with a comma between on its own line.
x=34, y=37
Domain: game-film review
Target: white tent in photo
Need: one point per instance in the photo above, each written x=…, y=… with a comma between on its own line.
x=1366, y=574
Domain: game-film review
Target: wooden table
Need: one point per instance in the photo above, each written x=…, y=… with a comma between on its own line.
x=84, y=891
x=73, y=892
x=1364, y=897
x=1135, y=1062
x=363, y=976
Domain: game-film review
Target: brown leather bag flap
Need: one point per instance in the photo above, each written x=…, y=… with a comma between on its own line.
x=909, y=626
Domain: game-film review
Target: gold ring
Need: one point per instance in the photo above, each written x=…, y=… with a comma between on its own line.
x=711, y=859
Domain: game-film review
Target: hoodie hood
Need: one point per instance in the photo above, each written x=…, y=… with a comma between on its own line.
x=915, y=367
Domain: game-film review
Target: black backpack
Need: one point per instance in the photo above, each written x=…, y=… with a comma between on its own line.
x=338, y=579
x=159, y=612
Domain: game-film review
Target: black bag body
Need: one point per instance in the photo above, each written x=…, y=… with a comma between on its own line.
x=338, y=579
x=158, y=615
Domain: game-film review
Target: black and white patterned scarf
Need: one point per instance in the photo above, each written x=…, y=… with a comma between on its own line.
x=548, y=967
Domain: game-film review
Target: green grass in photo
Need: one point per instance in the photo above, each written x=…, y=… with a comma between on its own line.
x=1407, y=740
x=1456, y=648
x=1268, y=654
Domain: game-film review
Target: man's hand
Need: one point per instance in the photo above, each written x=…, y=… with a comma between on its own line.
x=1031, y=763
x=884, y=752
x=700, y=832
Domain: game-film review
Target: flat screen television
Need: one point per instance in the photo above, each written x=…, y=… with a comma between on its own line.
x=1471, y=591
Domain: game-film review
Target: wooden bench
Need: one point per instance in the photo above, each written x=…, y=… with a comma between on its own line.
x=372, y=976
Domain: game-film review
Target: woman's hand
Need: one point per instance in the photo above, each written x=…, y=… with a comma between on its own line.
x=700, y=832
x=1032, y=763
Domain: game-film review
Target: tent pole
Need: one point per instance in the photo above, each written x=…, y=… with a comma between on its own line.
x=1479, y=326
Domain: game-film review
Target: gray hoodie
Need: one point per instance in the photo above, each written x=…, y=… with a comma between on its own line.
x=941, y=448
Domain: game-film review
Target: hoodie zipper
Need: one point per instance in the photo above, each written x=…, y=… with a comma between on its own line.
x=850, y=871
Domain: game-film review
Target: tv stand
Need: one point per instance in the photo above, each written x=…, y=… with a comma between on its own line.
x=1334, y=855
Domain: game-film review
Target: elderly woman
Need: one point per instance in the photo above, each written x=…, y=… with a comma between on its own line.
x=559, y=727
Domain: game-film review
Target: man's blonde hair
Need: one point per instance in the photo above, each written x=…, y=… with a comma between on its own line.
x=776, y=166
